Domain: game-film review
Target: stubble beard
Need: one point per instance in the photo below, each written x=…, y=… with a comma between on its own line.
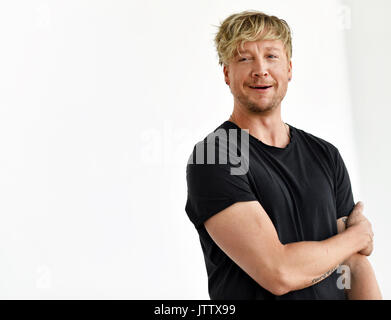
x=256, y=108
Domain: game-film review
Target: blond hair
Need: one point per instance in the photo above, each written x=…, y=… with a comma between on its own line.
x=245, y=26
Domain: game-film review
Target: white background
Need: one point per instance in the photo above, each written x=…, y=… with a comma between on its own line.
x=101, y=103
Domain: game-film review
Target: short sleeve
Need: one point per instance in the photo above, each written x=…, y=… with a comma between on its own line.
x=343, y=189
x=211, y=188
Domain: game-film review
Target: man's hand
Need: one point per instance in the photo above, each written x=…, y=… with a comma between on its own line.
x=357, y=219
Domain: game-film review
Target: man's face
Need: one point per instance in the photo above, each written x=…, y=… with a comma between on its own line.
x=262, y=63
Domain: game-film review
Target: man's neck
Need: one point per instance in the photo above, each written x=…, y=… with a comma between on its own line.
x=269, y=129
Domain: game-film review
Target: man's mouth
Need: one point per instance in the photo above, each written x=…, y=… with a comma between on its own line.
x=260, y=88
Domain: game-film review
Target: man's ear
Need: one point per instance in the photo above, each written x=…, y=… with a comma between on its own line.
x=226, y=71
x=290, y=70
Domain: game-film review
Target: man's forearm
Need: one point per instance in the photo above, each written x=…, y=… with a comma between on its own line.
x=308, y=262
x=363, y=283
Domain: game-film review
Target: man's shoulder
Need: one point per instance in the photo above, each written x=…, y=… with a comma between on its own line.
x=227, y=147
x=323, y=148
x=315, y=139
x=225, y=138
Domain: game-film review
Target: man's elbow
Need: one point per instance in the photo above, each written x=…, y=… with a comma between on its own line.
x=282, y=284
x=276, y=282
x=280, y=290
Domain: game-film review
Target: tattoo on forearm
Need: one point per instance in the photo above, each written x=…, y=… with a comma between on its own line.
x=323, y=276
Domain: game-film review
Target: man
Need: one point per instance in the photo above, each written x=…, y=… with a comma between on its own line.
x=281, y=227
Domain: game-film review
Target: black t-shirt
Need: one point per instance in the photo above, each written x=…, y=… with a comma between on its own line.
x=304, y=188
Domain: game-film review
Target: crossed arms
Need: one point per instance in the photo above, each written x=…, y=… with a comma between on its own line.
x=246, y=234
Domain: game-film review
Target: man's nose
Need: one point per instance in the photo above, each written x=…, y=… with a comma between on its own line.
x=259, y=69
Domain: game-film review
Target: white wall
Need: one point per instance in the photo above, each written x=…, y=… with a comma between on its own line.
x=369, y=51
x=101, y=104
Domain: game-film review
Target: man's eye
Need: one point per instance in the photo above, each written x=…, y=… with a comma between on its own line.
x=271, y=55
x=243, y=59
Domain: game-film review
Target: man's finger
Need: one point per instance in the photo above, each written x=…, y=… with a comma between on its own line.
x=359, y=206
